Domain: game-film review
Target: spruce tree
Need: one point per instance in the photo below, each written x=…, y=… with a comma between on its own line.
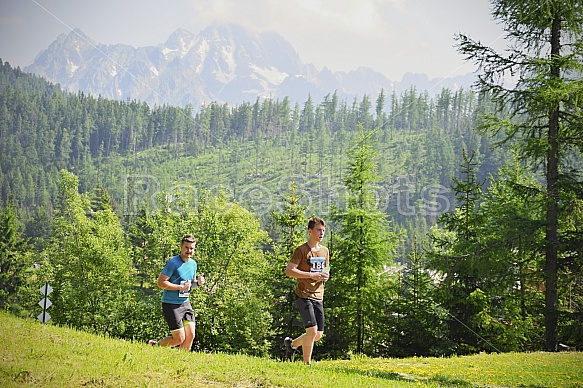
x=362, y=250
x=12, y=249
x=455, y=256
x=545, y=115
x=291, y=224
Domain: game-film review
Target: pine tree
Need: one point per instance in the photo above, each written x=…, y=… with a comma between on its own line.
x=545, y=59
x=455, y=255
x=362, y=245
x=488, y=258
x=291, y=222
x=415, y=327
x=12, y=249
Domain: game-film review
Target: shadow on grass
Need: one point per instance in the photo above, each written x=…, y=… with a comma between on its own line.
x=398, y=376
x=441, y=380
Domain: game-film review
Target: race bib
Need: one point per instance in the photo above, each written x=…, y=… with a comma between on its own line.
x=183, y=294
x=317, y=264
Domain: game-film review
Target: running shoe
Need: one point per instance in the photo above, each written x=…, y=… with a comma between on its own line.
x=290, y=352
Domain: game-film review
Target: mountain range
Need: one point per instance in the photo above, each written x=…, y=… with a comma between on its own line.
x=223, y=63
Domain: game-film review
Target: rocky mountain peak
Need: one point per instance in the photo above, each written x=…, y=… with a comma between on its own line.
x=222, y=63
x=180, y=40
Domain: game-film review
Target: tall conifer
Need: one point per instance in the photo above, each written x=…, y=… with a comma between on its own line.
x=545, y=60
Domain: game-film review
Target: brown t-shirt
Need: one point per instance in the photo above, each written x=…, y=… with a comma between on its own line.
x=310, y=261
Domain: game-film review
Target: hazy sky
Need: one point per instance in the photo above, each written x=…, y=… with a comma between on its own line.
x=390, y=36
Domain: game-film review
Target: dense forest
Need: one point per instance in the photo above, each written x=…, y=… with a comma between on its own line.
x=438, y=210
x=252, y=151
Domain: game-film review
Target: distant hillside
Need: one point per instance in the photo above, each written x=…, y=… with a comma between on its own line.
x=251, y=151
x=222, y=63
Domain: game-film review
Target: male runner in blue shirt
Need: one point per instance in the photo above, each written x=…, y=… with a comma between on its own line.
x=177, y=278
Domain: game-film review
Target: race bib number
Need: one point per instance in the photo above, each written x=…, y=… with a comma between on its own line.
x=317, y=264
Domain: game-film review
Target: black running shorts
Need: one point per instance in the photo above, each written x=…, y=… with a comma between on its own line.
x=175, y=314
x=312, y=312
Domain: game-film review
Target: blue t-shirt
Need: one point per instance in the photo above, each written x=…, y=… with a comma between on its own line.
x=178, y=271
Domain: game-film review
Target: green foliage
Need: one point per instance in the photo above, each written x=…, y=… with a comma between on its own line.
x=512, y=234
x=416, y=326
x=89, y=263
x=136, y=151
x=542, y=112
x=233, y=307
x=291, y=221
x=157, y=162
x=154, y=236
x=491, y=264
x=14, y=260
x=456, y=257
x=291, y=225
x=361, y=250
x=40, y=227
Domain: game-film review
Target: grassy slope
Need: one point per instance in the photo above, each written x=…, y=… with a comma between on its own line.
x=32, y=354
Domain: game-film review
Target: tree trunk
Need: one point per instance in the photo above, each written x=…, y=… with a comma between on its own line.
x=551, y=266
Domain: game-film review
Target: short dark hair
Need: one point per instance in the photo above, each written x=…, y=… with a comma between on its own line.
x=189, y=238
x=314, y=221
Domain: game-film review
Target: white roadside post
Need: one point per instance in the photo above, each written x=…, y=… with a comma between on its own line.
x=45, y=303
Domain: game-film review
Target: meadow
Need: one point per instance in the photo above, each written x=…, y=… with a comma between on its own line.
x=34, y=355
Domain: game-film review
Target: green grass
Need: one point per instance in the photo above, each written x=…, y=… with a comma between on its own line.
x=33, y=354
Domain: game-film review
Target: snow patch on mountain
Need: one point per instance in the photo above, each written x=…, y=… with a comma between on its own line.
x=273, y=75
x=71, y=67
x=202, y=50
